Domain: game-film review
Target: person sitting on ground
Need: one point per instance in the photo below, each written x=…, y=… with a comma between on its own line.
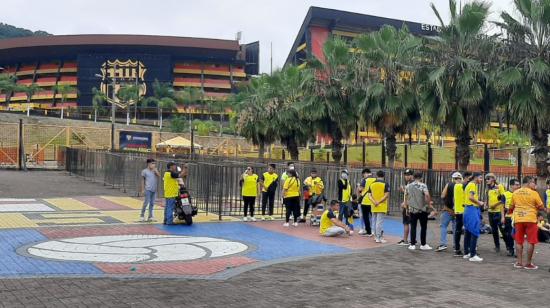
x=330, y=225
x=544, y=231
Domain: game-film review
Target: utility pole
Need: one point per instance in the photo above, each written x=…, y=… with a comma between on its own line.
x=271, y=60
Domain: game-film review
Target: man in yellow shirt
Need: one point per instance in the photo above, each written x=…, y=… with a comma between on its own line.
x=526, y=205
x=366, y=204
x=472, y=217
x=330, y=225
x=171, y=190
x=458, y=205
x=379, y=194
x=269, y=181
x=513, y=185
x=250, y=190
x=291, y=197
x=495, y=201
x=316, y=187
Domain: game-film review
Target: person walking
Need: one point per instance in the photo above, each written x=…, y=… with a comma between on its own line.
x=448, y=213
x=527, y=208
x=419, y=204
x=495, y=202
x=171, y=191
x=472, y=218
x=268, y=183
x=513, y=185
x=344, y=198
x=406, y=216
x=379, y=193
x=150, y=176
x=458, y=197
x=315, y=187
x=291, y=197
x=366, y=203
x=250, y=190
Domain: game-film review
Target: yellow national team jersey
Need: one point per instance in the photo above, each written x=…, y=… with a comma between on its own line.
x=346, y=192
x=377, y=190
x=316, y=185
x=526, y=203
x=368, y=182
x=292, y=186
x=171, y=186
x=458, y=196
x=547, y=199
x=508, y=196
x=326, y=221
x=250, y=185
x=470, y=189
x=269, y=178
x=492, y=197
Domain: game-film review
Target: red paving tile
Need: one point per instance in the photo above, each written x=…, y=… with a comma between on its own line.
x=53, y=233
x=305, y=231
x=102, y=204
x=201, y=267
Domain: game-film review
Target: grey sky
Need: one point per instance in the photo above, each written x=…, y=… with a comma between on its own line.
x=276, y=21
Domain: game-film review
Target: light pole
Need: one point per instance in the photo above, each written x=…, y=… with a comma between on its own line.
x=113, y=106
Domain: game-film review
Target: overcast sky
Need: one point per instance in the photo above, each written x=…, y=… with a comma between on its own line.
x=276, y=21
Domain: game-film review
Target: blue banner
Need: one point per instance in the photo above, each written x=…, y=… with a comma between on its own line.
x=135, y=141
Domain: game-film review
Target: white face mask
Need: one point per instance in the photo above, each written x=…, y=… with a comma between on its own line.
x=290, y=167
x=344, y=176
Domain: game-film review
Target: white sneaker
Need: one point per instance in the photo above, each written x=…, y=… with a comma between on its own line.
x=350, y=232
x=383, y=241
x=369, y=235
x=466, y=256
x=362, y=232
x=377, y=240
x=253, y=218
x=286, y=224
x=263, y=218
x=245, y=218
x=142, y=219
x=295, y=224
x=475, y=258
x=412, y=247
x=425, y=247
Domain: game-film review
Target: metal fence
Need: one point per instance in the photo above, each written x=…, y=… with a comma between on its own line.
x=214, y=182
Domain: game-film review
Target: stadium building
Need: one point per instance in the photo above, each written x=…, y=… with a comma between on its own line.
x=103, y=61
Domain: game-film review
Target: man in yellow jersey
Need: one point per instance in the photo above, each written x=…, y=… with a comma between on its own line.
x=269, y=182
x=250, y=190
x=344, y=198
x=458, y=204
x=448, y=213
x=507, y=217
x=495, y=201
x=171, y=191
x=472, y=217
x=527, y=207
x=330, y=225
x=379, y=194
x=547, y=197
x=316, y=187
x=366, y=204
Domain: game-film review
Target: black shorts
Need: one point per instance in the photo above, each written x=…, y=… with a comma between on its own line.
x=406, y=218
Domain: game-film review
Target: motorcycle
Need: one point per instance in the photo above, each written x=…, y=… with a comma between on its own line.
x=184, y=208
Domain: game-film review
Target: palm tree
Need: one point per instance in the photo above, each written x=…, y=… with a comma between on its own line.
x=387, y=62
x=8, y=86
x=524, y=76
x=98, y=99
x=29, y=90
x=163, y=99
x=64, y=90
x=329, y=104
x=455, y=81
x=188, y=97
x=128, y=94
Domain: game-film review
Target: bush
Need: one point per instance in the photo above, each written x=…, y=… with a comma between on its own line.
x=178, y=124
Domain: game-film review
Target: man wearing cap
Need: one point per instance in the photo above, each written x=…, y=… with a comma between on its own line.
x=472, y=217
x=495, y=201
x=408, y=177
x=171, y=190
x=344, y=198
x=448, y=212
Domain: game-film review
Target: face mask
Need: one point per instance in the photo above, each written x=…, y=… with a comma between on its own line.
x=344, y=176
x=290, y=167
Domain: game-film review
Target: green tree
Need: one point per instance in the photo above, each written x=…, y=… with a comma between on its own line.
x=329, y=104
x=98, y=99
x=64, y=90
x=163, y=99
x=387, y=62
x=524, y=76
x=8, y=86
x=189, y=97
x=128, y=94
x=29, y=90
x=455, y=81
x=178, y=124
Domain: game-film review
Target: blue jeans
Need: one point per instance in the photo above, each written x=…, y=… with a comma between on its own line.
x=169, y=211
x=446, y=218
x=149, y=200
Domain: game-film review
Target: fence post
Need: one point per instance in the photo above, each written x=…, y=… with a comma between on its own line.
x=283, y=155
x=311, y=154
x=520, y=164
x=406, y=154
x=456, y=159
x=220, y=196
x=345, y=154
x=486, y=159
x=112, y=136
x=364, y=154
x=20, y=151
x=328, y=157
x=430, y=157
x=384, y=153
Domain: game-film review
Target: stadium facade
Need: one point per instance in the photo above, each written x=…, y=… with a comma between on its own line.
x=103, y=61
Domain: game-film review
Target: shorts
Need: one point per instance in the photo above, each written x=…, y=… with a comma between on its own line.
x=406, y=218
x=526, y=228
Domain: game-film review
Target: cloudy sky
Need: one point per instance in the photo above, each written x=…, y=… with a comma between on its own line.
x=269, y=21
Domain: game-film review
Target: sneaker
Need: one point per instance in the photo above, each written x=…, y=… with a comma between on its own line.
x=530, y=267
x=466, y=256
x=378, y=241
x=302, y=220
x=350, y=232
x=458, y=253
x=403, y=243
x=362, y=232
x=295, y=224
x=142, y=219
x=412, y=247
x=286, y=224
x=269, y=217
x=382, y=241
x=253, y=218
x=245, y=218
x=151, y=219
x=475, y=258
x=370, y=235
x=441, y=248
x=425, y=247
x=518, y=265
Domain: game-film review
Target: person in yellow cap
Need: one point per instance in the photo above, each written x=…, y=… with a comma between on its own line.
x=495, y=201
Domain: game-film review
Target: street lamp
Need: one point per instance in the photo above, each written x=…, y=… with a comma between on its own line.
x=113, y=107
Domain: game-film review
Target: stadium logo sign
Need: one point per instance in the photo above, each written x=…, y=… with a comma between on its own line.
x=122, y=73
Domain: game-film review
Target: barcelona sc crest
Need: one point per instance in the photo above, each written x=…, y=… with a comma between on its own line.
x=122, y=73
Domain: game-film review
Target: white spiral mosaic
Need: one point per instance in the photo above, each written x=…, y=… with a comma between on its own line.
x=135, y=248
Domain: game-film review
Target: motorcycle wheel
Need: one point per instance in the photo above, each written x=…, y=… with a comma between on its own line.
x=181, y=217
x=188, y=220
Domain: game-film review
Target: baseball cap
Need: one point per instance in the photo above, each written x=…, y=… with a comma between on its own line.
x=490, y=175
x=408, y=172
x=456, y=175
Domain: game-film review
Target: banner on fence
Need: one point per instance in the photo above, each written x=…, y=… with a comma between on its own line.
x=135, y=141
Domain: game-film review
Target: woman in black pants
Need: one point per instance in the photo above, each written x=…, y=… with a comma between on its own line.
x=291, y=197
x=250, y=190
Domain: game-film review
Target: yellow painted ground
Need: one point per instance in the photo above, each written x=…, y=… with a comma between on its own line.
x=132, y=203
x=15, y=220
x=69, y=204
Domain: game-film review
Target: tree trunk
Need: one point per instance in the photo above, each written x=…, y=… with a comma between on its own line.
x=539, y=139
x=28, y=106
x=292, y=148
x=337, y=136
x=462, y=141
x=391, y=148
x=261, y=149
x=95, y=115
x=160, y=118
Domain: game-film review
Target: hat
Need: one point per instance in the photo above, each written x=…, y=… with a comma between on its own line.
x=456, y=175
x=345, y=171
x=170, y=164
x=490, y=175
x=408, y=172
